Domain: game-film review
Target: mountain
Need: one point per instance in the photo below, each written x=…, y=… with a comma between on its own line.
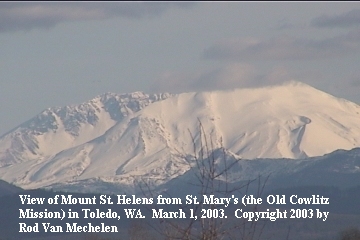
x=340, y=169
x=59, y=128
x=8, y=189
x=120, y=139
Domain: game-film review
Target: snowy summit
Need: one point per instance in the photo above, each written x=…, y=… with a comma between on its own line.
x=118, y=137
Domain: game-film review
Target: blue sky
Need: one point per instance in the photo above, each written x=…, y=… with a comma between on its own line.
x=55, y=54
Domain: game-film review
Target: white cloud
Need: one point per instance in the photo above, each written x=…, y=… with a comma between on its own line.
x=234, y=75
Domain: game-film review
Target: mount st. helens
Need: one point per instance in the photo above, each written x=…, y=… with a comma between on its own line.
x=118, y=139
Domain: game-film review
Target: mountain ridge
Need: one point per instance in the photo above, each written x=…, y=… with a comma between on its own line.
x=149, y=135
x=77, y=123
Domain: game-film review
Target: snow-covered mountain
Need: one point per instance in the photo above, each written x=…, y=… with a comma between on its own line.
x=340, y=168
x=118, y=139
x=59, y=128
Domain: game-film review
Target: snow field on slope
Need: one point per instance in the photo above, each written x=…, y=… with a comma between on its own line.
x=288, y=121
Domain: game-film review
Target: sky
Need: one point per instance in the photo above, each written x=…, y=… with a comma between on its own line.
x=59, y=53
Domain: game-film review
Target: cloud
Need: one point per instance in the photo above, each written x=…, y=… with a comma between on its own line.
x=284, y=48
x=241, y=75
x=348, y=19
x=235, y=75
x=27, y=16
x=285, y=24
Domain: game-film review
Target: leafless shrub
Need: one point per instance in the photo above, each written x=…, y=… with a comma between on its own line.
x=212, y=171
x=139, y=230
x=350, y=234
